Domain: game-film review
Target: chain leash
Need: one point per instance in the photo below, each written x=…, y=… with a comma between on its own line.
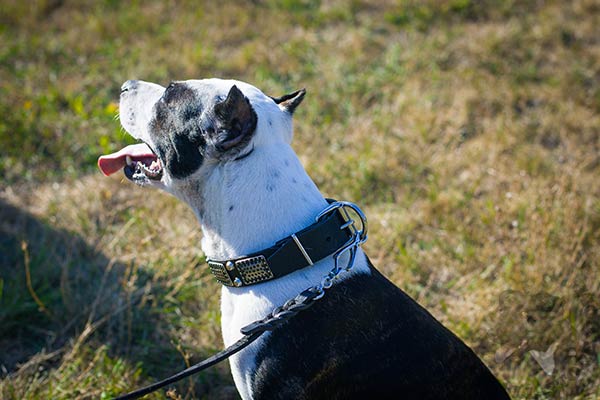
x=304, y=300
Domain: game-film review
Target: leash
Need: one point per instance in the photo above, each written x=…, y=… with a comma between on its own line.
x=209, y=362
x=283, y=313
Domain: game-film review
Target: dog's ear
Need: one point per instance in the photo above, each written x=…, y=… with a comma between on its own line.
x=289, y=102
x=236, y=119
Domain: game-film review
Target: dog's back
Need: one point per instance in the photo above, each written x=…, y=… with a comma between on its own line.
x=368, y=339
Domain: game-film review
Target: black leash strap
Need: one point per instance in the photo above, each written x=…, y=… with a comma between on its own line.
x=251, y=332
x=209, y=362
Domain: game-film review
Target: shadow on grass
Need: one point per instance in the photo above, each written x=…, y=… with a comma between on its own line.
x=57, y=290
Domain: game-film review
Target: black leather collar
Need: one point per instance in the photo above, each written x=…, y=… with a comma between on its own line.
x=297, y=251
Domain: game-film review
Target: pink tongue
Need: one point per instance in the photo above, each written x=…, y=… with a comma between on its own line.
x=111, y=163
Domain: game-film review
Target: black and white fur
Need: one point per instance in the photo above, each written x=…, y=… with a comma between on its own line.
x=225, y=150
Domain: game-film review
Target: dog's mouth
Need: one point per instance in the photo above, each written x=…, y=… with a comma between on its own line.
x=138, y=162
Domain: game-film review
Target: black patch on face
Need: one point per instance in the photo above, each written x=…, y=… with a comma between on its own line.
x=176, y=130
x=184, y=135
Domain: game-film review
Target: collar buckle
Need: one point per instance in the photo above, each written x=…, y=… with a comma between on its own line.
x=344, y=207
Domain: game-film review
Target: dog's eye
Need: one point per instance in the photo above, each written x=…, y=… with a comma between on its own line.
x=171, y=85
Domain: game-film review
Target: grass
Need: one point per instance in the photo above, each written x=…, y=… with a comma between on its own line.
x=468, y=130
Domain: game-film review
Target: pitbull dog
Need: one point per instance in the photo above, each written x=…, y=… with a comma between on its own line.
x=223, y=147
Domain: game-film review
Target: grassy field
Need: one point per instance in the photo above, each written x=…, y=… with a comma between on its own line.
x=469, y=132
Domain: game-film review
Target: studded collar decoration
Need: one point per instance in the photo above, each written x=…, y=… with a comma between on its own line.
x=299, y=250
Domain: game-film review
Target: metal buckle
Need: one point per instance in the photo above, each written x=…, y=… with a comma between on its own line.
x=359, y=236
x=254, y=269
x=342, y=207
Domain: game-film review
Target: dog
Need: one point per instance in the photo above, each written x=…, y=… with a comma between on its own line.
x=223, y=147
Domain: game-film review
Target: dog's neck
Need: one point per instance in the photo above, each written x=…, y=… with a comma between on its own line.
x=245, y=206
x=249, y=204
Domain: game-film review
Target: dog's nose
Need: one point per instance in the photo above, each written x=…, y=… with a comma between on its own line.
x=129, y=85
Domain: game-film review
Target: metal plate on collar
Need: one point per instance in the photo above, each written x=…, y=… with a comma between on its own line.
x=219, y=271
x=254, y=269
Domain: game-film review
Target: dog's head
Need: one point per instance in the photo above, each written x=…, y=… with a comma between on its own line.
x=190, y=125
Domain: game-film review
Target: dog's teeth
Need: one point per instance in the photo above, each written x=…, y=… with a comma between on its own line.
x=128, y=160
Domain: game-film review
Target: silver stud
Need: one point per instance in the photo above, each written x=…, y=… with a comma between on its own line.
x=237, y=282
x=229, y=265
